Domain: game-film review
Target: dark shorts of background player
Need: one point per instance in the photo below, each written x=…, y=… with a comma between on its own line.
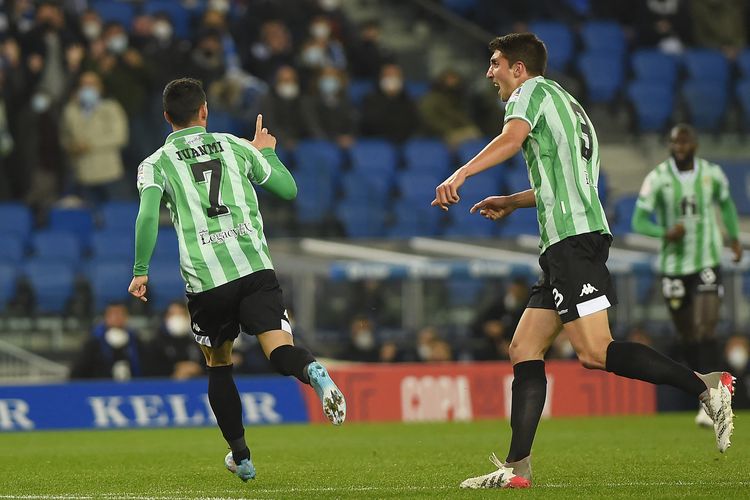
x=679, y=291
x=575, y=280
x=253, y=304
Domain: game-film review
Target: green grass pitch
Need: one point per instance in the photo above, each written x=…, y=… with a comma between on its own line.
x=662, y=456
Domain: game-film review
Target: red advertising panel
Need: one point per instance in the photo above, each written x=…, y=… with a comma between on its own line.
x=469, y=391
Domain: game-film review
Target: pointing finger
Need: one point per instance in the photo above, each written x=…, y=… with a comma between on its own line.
x=259, y=123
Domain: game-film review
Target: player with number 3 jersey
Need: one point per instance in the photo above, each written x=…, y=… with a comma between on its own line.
x=561, y=150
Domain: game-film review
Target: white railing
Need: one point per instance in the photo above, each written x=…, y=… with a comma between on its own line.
x=19, y=365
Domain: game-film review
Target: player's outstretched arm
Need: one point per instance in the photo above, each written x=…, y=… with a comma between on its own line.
x=501, y=148
x=146, y=231
x=729, y=216
x=499, y=207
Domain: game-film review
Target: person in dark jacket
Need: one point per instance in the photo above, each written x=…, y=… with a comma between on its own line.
x=389, y=112
x=174, y=352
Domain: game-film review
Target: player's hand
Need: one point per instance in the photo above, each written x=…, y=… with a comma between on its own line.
x=262, y=138
x=137, y=287
x=447, y=192
x=676, y=233
x=494, y=207
x=737, y=250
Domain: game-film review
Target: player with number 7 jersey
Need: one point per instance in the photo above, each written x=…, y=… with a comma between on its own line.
x=206, y=181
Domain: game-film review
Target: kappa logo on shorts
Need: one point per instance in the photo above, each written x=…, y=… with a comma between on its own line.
x=587, y=289
x=558, y=297
x=196, y=328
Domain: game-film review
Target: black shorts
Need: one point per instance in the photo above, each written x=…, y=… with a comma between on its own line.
x=575, y=280
x=252, y=304
x=678, y=291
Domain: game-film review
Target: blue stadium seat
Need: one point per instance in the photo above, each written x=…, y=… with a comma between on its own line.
x=742, y=91
x=624, y=208
x=603, y=188
x=417, y=88
x=516, y=180
x=464, y=291
x=56, y=246
x=315, y=192
x=367, y=188
x=461, y=7
x=119, y=215
x=743, y=63
x=179, y=16
x=653, y=103
x=738, y=175
x=469, y=149
x=121, y=12
x=16, y=218
x=222, y=121
x=359, y=89
x=318, y=155
x=604, y=37
x=603, y=75
x=8, y=282
x=109, y=281
x=12, y=249
x=651, y=65
x=362, y=220
x=166, y=284
x=78, y=221
x=414, y=219
x=417, y=186
x=52, y=284
x=707, y=65
x=113, y=245
x=706, y=102
x=427, y=155
x=523, y=221
x=462, y=223
x=559, y=41
x=374, y=155
x=167, y=245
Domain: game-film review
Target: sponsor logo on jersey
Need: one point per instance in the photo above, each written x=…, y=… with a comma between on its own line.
x=242, y=229
x=587, y=289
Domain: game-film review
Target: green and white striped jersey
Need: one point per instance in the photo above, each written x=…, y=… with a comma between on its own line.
x=562, y=154
x=687, y=198
x=206, y=180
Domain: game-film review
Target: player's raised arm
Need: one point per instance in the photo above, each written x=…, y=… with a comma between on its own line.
x=266, y=169
x=501, y=148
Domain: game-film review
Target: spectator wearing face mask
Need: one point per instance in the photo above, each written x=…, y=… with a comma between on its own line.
x=206, y=60
x=280, y=108
x=174, y=352
x=737, y=360
x=264, y=57
x=366, y=55
x=113, y=351
x=90, y=25
x=496, y=322
x=445, y=110
x=389, y=112
x=93, y=132
x=363, y=343
x=321, y=49
x=328, y=113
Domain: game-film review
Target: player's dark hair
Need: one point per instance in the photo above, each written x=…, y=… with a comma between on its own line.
x=182, y=99
x=524, y=47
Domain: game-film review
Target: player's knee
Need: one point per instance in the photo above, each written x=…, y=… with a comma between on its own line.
x=518, y=353
x=592, y=360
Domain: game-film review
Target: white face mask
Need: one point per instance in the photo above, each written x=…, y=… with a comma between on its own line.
x=329, y=85
x=219, y=5
x=287, y=90
x=391, y=84
x=737, y=358
x=40, y=102
x=162, y=31
x=320, y=30
x=116, y=337
x=117, y=44
x=91, y=30
x=566, y=349
x=424, y=351
x=509, y=301
x=121, y=370
x=177, y=325
x=313, y=56
x=329, y=5
x=364, y=340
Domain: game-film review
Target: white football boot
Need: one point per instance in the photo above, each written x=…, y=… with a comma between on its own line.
x=702, y=419
x=717, y=400
x=503, y=477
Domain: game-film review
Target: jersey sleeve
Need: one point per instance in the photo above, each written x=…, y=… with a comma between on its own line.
x=648, y=193
x=525, y=103
x=258, y=167
x=150, y=174
x=721, y=184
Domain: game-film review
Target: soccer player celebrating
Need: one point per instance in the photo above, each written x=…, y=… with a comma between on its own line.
x=682, y=191
x=575, y=291
x=206, y=181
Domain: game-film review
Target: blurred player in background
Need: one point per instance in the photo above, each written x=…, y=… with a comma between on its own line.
x=682, y=192
x=206, y=181
x=562, y=152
